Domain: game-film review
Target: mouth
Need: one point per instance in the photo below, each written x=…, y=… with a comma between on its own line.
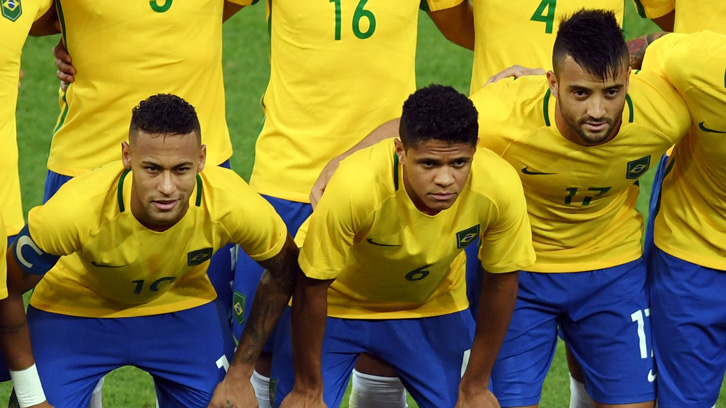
x=595, y=127
x=165, y=205
x=442, y=196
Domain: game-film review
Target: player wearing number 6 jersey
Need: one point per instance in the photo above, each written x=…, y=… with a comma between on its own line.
x=137, y=293
x=386, y=243
x=689, y=229
x=580, y=141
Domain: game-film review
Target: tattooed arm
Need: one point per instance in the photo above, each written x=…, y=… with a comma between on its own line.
x=637, y=47
x=273, y=295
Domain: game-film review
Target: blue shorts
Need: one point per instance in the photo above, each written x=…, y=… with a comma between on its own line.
x=474, y=276
x=186, y=352
x=689, y=331
x=602, y=315
x=250, y=272
x=653, y=207
x=426, y=353
x=221, y=266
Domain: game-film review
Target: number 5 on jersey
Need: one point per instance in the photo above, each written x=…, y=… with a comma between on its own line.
x=359, y=16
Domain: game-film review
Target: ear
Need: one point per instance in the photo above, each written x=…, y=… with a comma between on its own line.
x=627, y=81
x=400, y=150
x=552, y=81
x=126, y=155
x=202, y=158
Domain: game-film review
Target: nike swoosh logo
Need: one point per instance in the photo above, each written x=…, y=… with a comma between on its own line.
x=705, y=129
x=526, y=170
x=370, y=241
x=651, y=376
x=98, y=265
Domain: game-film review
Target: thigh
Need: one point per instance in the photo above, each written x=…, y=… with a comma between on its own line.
x=187, y=352
x=530, y=343
x=427, y=353
x=73, y=353
x=608, y=330
x=689, y=331
x=221, y=269
x=248, y=272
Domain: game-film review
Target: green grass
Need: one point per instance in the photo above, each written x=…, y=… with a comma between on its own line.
x=246, y=70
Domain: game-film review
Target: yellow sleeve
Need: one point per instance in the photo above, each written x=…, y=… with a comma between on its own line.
x=654, y=8
x=333, y=225
x=55, y=226
x=44, y=6
x=437, y=5
x=506, y=245
x=242, y=2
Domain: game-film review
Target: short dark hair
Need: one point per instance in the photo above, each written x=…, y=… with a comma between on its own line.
x=594, y=40
x=441, y=113
x=165, y=114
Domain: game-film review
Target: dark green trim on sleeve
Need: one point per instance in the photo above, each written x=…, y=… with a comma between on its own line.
x=62, y=20
x=639, y=7
x=120, y=191
x=269, y=20
x=395, y=171
x=630, y=108
x=546, y=107
x=198, y=201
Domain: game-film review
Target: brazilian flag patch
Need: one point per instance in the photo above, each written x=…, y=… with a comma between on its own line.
x=238, y=306
x=12, y=9
x=195, y=258
x=637, y=168
x=467, y=236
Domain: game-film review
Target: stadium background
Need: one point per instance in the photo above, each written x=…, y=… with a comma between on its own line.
x=246, y=70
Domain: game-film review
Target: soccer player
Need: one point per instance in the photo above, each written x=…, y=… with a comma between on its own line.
x=688, y=16
x=521, y=32
x=384, y=264
x=689, y=258
x=580, y=141
x=144, y=231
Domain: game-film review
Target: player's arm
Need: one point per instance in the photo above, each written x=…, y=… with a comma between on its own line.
x=456, y=23
x=273, y=295
x=638, y=45
x=26, y=265
x=230, y=9
x=47, y=24
x=384, y=131
x=498, y=296
x=666, y=22
x=309, y=314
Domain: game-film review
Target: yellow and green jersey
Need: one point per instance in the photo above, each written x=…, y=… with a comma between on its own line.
x=339, y=69
x=691, y=15
x=580, y=199
x=522, y=32
x=391, y=261
x=3, y=262
x=118, y=268
x=126, y=51
x=691, y=223
x=16, y=17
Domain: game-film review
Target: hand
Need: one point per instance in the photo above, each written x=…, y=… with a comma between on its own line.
x=319, y=187
x=66, y=70
x=297, y=399
x=234, y=394
x=479, y=399
x=515, y=71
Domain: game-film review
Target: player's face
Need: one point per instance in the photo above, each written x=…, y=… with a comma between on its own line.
x=435, y=172
x=164, y=170
x=589, y=109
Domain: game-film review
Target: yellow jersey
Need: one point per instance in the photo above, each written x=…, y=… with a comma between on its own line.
x=391, y=261
x=16, y=17
x=691, y=15
x=691, y=222
x=126, y=51
x=3, y=261
x=580, y=199
x=338, y=69
x=522, y=32
x=121, y=268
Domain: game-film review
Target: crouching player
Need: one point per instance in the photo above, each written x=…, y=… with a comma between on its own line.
x=138, y=293
x=384, y=263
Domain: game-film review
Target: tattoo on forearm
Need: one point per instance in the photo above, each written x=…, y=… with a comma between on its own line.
x=12, y=328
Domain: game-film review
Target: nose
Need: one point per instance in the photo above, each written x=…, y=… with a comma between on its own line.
x=596, y=108
x=444, y=177
x=166, y=184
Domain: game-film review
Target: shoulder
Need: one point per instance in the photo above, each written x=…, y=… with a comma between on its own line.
x=370, y=172
x=655, y=104
x=491, y=174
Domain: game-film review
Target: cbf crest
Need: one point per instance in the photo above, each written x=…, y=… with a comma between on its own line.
x=12, y=9
x=467, y=236
x=637, y=168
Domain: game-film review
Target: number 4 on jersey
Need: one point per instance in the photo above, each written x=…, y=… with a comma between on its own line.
x=549, y=18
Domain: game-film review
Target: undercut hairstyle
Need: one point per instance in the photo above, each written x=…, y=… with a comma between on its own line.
x=438, y=112
x=594, y=40
x=165, y=114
